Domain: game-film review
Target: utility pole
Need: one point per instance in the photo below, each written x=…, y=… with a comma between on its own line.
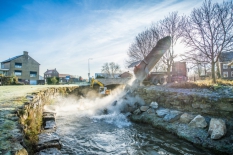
x=89, y=73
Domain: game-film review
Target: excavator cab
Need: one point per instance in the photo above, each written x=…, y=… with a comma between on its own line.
x=102, y=90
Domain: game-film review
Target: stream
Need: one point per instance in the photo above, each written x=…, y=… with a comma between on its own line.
x=85, y=130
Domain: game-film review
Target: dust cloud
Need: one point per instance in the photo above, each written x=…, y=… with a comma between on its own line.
x=112, y=109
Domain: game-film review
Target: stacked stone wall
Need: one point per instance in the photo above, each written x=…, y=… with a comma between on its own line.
x=204, y=104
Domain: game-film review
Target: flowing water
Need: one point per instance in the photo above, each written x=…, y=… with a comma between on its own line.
x=84, y=129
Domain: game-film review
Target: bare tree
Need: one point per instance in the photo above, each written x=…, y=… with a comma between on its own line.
x=208, y=32
x=143, y=44
x=111, y=69
x=170, y=25
x=145, y=41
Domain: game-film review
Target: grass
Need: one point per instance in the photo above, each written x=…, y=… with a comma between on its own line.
x=202, y=84
x=15, y=92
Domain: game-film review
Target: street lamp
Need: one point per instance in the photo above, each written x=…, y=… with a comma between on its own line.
x=89, y=69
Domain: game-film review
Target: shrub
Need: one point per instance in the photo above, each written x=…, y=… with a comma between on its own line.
x=52, y=80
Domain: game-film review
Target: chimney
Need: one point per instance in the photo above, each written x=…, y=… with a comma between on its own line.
x=25, y=53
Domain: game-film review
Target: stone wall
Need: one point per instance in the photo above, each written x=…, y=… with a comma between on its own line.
x=22, y=124
x=186, y=101
x=204, y=119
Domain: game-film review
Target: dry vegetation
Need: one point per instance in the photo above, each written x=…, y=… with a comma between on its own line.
x=202, y=84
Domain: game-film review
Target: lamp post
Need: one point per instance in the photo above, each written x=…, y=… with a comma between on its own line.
x=89, y=69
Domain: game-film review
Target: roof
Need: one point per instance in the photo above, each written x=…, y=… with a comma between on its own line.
x=134, y=64
x=50, y=71
x=126, y=74
x=13, y=58
x=227, y=56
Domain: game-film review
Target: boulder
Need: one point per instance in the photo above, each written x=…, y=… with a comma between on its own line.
x=172, y=116
x=154, y=105
x=198, y=122
x=186, y=118
x=144, y=108
x=217, y=128
x=162, y=112
x=150, y=111
x=137, y=112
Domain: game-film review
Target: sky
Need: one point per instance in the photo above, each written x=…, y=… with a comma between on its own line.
x=66, y=34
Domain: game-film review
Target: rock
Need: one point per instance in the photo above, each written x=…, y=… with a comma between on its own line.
x=114, y=103
x=226, y=107
x=144, y=108
x=162, y=112
x=50, y=151
x=154, y=105
x=172, y=116
x=131, y=109
x=186, y=118
x=50, y=124
x=175, y=103
x=217, y=128
x=195, y=105
x=48, y=116
x=48, y=140
x=150, y=111
x=205, y=106
x=137, y=112
x=198, y=122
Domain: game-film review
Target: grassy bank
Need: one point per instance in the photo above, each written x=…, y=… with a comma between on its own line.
x=9, y=93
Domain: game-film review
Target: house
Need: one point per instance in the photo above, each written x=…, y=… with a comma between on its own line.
x=179, y=71
x=24, y=67
x=125, y=75
x=51, y=73
x=65, y=78
x=225, y=65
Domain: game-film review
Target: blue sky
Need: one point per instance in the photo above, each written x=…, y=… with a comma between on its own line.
x=64, y=34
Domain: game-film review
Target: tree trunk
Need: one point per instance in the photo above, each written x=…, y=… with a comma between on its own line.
x=218, y=70
x=169, y=74
x=213, y=72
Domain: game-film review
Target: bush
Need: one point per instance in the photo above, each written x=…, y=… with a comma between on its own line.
x=9, y=80
x=52, y=80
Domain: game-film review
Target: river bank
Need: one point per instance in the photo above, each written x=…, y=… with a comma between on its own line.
x=21, y=114
x=190, y=114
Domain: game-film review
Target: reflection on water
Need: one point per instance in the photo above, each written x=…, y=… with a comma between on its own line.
x=114, y=134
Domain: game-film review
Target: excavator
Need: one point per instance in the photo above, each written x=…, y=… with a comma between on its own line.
x=102, y=90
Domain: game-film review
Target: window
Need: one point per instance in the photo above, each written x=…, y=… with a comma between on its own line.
x=18, y=73
x=225, y=74
x=231, y=66
x=18, y=65
x=33, y=74
x=231, y=73
x=225, y=66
